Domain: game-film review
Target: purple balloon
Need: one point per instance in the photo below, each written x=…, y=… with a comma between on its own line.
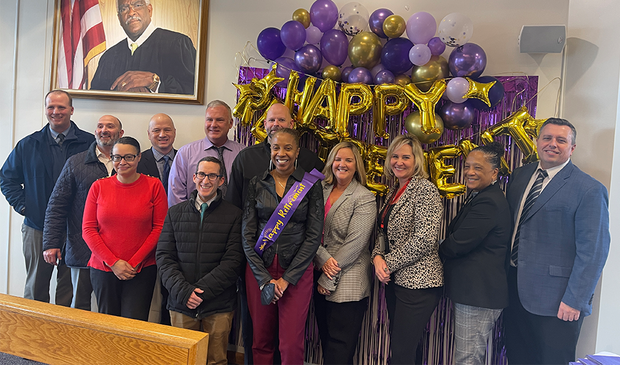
x=496, y=94
x=335, y=46
x=468, y=60
x=457, y=116
x=313, y=35
x=324, y=14
x=269, y=43
x=436, y=46
x=376, y=21
x=285, y=65
x=375, y=70
x=308, y=59
x=360, y=75
x=345, y=73
x=293, y=34
x=421, y=27
x=384, y=77
x=395, y=55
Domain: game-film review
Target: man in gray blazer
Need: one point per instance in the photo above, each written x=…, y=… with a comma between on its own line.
x=559, y=246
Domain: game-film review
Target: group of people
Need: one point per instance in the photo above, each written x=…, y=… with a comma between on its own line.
x=272, y=225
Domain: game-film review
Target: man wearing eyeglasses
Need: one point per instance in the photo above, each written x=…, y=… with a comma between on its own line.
x=150, y=59
x=27, y=180
x=65, y=209
x=199, y=256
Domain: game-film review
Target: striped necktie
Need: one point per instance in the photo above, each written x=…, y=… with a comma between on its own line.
x=529, y=203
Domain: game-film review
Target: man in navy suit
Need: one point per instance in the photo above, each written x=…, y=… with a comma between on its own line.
x=559, y=246
x=157, y=160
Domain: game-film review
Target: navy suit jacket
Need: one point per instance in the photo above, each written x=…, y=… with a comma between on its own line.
x=148, y=164
x=564, y=240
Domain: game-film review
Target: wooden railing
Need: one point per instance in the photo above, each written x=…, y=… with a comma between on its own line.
x=58, y=335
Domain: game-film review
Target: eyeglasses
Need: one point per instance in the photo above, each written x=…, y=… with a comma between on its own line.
x=128, y=158
x=136, y=6
x=201, y=175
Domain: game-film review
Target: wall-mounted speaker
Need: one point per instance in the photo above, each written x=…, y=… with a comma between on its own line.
x=542, y=38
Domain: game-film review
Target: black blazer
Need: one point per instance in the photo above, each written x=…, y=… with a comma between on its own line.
x=148, y=164
x=476, y=249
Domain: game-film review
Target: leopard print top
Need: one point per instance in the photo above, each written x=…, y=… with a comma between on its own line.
x=413, y=233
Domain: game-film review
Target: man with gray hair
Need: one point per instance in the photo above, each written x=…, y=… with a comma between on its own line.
x=150, y=59
x=63, y=217
x=218, y=121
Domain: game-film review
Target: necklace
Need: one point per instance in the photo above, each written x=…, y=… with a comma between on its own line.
x=279, y=183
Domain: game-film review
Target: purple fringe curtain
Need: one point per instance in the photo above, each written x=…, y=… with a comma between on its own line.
x=374, y=343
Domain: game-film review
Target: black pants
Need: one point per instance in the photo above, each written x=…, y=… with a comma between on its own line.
x=125, y=298
x=409, y=311
x=339, y=327
x=533, y=339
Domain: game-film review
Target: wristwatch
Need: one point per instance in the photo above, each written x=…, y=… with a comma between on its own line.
x=155, y=84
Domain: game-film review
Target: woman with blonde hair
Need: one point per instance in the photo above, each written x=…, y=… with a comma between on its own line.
x=343, y=259
x=406, y=257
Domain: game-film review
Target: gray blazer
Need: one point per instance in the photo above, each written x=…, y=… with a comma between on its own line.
x=347, y=230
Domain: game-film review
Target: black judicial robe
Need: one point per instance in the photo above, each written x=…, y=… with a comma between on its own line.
x=169, y=54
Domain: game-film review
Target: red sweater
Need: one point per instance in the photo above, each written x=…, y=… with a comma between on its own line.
x=123, y=221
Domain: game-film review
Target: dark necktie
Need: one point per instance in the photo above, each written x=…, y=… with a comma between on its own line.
x=220, y=156
x=166, y=172
x=61, y=139
x=527, y=206
x=203, y=209
x=470, y=197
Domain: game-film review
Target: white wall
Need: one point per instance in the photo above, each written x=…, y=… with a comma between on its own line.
x=233, y=23
x=591, y=103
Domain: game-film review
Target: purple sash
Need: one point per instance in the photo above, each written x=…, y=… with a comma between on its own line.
x=285, y=210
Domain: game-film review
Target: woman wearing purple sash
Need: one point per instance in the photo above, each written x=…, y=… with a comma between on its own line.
x=282, y=225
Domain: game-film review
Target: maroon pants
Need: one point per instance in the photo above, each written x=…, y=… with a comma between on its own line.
x=286, y=317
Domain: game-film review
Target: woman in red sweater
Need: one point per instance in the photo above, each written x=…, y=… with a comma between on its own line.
x=123, y=217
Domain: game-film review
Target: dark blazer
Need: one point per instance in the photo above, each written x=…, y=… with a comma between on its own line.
x=475, y=251
x=148, y=164
x=564, y=240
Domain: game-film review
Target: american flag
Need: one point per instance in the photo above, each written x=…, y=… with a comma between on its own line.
x=81, y=38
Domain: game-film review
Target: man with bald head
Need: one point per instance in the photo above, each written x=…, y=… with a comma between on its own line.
x=150, y=59
x=157, y=160
x=27, y=180
x=63, y=217
x=253, y=161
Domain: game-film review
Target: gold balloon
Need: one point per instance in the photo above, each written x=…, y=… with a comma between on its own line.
x=440, y=172
x=365, y=50
x=402, y=80
x=435, y=69
x=302, y=16
x=331, y=72
x=381, y=110
x=478, y=90
x=326, y=92
x=243, y=110
x=426, y=101
x=372, y=154
x=301, y=98
x=413, y=125
x=514, y=126
x=345, y=108
x=394, y=26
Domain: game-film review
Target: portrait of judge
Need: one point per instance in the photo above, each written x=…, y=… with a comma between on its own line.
x=150, y=59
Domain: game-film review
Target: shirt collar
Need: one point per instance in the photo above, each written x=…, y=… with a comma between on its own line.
x=100, y=153
x=208, y=144
x=158, y=155
x=145, y=35
x=551, y=172
x=55, y=134
x=199, y=201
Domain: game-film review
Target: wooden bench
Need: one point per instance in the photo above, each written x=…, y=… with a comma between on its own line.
x=58, y=335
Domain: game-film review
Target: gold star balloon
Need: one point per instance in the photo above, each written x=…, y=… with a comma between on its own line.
x=478, y=90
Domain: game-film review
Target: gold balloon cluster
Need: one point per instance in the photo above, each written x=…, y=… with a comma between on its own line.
x=386, y=100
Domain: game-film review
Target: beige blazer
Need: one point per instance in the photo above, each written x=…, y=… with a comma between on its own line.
x=347, y=231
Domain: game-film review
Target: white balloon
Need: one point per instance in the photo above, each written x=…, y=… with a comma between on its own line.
x=353, y=18
x=313, y=35
x=456, y=89
x=420, y=54
x=455, y=29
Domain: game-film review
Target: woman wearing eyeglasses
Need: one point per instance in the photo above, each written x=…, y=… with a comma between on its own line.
x=123, y=217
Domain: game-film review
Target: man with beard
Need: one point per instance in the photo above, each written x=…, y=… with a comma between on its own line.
x=63, y=217
x=27, y=180
x=150, y=60
x=218, y=121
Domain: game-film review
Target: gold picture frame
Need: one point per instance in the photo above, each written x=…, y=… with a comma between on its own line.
x=178, y=20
